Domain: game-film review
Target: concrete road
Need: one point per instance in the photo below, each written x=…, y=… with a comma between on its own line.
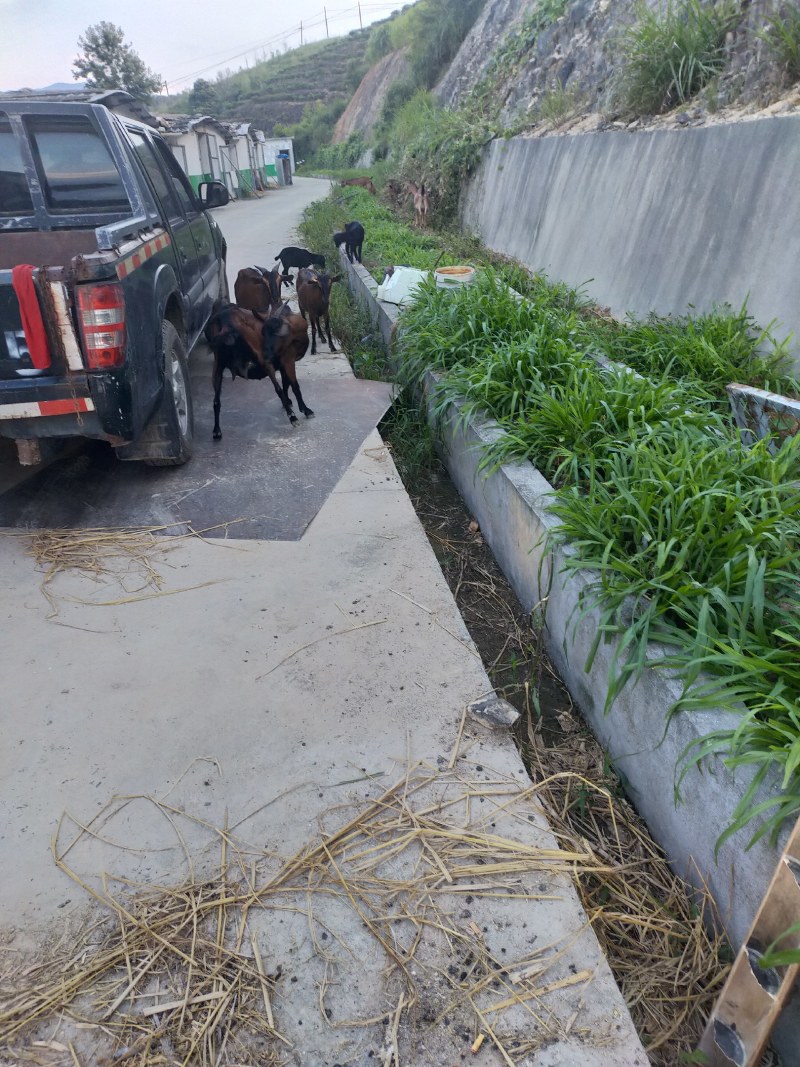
x=277, y=687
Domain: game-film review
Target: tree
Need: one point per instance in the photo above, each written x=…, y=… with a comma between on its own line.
x=107, y=62
x=203, y=99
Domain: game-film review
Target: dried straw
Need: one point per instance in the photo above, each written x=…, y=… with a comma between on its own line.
x=126, y=557
x=658, y=933
x=171, y=981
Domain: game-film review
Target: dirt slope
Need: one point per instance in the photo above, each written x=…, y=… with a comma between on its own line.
x=363, y=111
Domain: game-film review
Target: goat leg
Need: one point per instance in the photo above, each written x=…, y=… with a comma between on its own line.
x=330, y=335
x=283, y=396
x=289, y=374
x=325, y=340
x=217, y=382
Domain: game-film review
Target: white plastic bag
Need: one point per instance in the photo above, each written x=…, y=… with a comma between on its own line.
x=400, y=287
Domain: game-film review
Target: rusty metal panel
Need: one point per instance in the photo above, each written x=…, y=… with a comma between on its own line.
x=44, y=247
x=761, y=414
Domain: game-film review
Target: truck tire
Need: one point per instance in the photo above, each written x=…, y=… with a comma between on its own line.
x=173, y=424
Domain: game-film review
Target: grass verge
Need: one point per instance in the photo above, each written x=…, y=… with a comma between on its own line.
x=691, y=539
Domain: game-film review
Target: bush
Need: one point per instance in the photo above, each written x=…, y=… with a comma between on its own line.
x=340, y=156
x=558, y=104
x=439, y=147
x=315, y=129
x=671, y=52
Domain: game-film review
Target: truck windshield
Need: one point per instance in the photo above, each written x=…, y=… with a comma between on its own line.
x=15, y=197
x=77, y=170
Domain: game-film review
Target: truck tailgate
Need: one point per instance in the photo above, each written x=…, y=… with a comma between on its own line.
x=60, y=388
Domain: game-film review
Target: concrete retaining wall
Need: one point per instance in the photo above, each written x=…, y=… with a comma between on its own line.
x=653, y=220
x=511, y=506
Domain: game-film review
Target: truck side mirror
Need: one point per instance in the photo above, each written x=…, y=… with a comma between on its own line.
x=213, y=194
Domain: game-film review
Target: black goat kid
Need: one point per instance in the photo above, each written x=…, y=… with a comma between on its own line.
x=298, y=257
x=352, y=238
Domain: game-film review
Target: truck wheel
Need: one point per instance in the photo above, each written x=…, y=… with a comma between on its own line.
x=174, y=423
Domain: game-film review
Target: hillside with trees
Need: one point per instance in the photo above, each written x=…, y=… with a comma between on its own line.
x=465, y=71
x=310, y=85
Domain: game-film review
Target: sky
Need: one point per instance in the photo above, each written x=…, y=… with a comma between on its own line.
x=180, y=40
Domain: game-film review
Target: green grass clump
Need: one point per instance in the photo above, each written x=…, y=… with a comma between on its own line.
x=671, y=51
x=566, y=424
x=444, y=328
x=715, y=348
x=411, y=438
x=782, y=36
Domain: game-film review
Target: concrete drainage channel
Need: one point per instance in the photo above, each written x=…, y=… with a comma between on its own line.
x=511, y=505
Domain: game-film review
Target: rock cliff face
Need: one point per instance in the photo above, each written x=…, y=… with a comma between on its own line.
x=576, y=54
x=364, y=110
x=498, y=20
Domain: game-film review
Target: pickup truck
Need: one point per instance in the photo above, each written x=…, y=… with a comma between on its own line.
x=118, y=266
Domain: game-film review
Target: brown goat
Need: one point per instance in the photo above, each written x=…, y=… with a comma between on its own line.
x=258, y=289
x=365, y=183
x=422, y=202
x=313, y=296
x=253, y=345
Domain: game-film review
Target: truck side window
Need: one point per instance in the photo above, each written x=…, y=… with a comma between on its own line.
x=15, y=197
x=156, y=175
x=183, y=190
x=75, y=165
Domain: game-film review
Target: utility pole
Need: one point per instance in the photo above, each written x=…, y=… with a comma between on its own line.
x=325, y=13
x=360, y=20
x=301, y=34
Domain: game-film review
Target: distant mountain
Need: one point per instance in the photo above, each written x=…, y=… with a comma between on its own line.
x=60, y=87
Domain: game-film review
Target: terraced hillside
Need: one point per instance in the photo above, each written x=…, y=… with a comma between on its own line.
x=278, y=90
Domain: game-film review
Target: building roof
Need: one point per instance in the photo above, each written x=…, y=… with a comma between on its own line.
x=113, y=99
x=176, y=125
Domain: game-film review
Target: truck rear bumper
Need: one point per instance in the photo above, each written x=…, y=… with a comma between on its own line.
x=73, y=424
x=98, y=406
x=32, y=409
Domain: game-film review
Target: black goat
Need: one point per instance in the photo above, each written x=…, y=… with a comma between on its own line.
x=352, y=238
x=252, y=345
x=298, y=257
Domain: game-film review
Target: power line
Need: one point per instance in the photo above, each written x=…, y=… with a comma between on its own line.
x=301, y=29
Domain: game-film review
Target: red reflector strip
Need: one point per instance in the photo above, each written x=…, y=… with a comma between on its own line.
x=142, y=254
x=71, y=406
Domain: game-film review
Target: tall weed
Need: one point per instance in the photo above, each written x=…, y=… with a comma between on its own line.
x=782, y=36
x=671, y=51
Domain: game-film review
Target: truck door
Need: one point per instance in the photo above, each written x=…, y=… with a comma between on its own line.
x=180, y=225
x=198, y=223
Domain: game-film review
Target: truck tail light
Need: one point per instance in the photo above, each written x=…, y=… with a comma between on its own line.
x=102, y=319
